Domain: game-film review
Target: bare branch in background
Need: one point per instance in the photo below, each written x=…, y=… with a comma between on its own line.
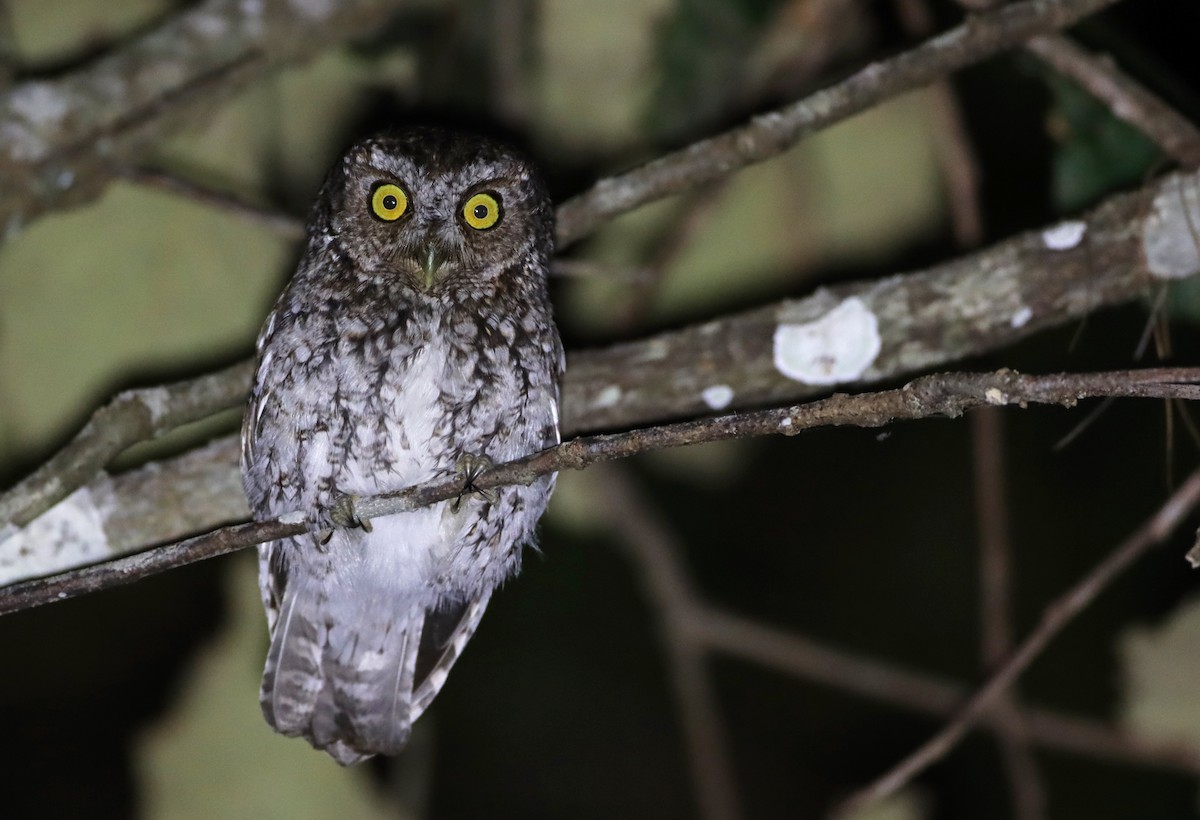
x=278, y=223
x=997, y=592
x=1055, y=617
x=1126, y=98
x=570, y=268
x=976, y=303
x=131, y=417
x=960, y=174
x=768, y=135
x=59, y=137
x=650, y=545
x=806, y=659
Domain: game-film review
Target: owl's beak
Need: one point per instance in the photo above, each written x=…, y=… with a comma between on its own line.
x=433, y=259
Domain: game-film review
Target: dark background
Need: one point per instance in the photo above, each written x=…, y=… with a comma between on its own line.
x=563, y=706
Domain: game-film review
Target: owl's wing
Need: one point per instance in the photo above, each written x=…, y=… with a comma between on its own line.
x=447, y=631
x=252, y=420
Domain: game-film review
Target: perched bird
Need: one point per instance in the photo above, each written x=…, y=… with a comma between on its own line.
x=414, y=342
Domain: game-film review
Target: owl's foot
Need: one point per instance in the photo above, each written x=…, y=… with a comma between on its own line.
x=469, y=467
x=344, y=515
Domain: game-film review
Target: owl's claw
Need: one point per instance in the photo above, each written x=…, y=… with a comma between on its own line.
x=469, y=467
x=344, y=514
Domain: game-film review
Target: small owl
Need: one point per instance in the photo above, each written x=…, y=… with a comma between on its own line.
x=415, y=342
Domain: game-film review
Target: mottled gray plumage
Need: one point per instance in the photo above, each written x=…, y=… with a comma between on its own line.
x=405, y=347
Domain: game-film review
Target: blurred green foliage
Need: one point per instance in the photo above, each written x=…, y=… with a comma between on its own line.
x=1097, y=153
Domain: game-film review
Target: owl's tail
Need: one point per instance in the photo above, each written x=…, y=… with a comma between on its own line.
x=352, y=680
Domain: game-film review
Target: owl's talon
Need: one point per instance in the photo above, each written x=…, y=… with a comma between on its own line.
x=344, y=515
x=469, y=467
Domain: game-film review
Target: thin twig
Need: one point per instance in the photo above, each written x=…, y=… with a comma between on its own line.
x=996, y=592
x=955, y=155
x=770, y=134
x=284, y=225
x=1126, y=98
x=656, y=553
x=806, y=659
x=570, y=268
x=1056, y=616
x=948, y=394
x=129, y=97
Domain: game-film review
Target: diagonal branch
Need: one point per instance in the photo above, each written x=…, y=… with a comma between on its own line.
x=964, y=307
x=651, y=547
x=770, y=134
x=58, y=137
x=1128, y=99
x=806, y=659
x=131, y=417
x=926, y=319
x=1055, y=617
x=944, y=395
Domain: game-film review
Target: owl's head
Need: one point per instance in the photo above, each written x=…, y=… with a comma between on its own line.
x=440, y=209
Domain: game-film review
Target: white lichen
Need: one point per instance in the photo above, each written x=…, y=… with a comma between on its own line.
x=608, y=397
x=717, y=396
x=67, y=535
x=158, y=401
x=41, y=104
x=1170, y=242
x=993, y=395
x=1064, y=235
x=836, y=348
x=293, y=517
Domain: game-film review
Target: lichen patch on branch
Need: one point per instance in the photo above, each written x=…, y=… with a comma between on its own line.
x=717, y=396
x=70, y=534
x=1064, y=235
x=1171, y=233
x=836, y=348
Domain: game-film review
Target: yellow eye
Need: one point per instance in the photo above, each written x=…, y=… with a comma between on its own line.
x=388, y=201
x=482, y=211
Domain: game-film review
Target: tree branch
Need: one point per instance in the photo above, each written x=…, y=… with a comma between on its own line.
x=1056, y=616
x=650, y=545
x=58, y=137
x=1126, y=98
x=946, y=395
x=805, y=659
x=964, y=307
x=131, y=417
x=768, y=135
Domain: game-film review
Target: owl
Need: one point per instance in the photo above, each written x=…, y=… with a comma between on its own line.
x=415, y=342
